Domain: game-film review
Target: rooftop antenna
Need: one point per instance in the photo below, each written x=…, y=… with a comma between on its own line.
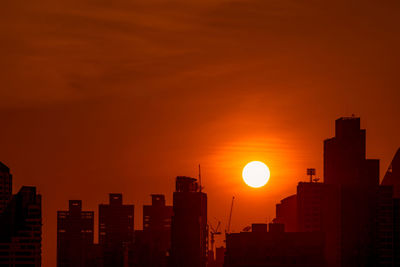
x=311, y=172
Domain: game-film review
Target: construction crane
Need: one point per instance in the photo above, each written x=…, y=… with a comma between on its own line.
x=228, y=230
x=214, y=232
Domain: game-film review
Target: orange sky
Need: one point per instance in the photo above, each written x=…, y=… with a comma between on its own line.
x=122, y=96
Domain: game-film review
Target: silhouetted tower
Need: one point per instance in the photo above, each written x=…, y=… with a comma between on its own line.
x=115, y=229
x=74, y=235
x=350, y=201
x=392, y=180
x=21, y=229
x=5, y=186
x=189, y=225
x=157, y=230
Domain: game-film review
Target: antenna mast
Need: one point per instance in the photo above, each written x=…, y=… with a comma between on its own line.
x=311, y=172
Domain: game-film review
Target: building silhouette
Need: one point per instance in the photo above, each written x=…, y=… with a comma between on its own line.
x=5, y=187
x=152, y=244
x=358, y=217
x=392, y=179
x=274, y=248
x=286, y=213
x=189, y=233
x=116, y=222
x=74, y=236
x=309, y=206
x=350, y=210
x=157, y=229
x=21, y=230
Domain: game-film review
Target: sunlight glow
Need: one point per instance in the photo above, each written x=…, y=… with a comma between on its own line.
x=256, y=174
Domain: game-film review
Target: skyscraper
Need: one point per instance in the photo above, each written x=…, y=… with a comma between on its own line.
x=157, y=228
x=152, y=245
x=350, y=200
x=21, y=230
x=392, y=179
x=189, y=224
x=116, y=222
x=74, y=235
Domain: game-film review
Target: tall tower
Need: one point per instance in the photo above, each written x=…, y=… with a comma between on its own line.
x=350, y=197
x=392, y=180
x=189, y=224
x=156, y=234
x=21, y=229
x=5, y=186
x=115, y=229
x=74, y=235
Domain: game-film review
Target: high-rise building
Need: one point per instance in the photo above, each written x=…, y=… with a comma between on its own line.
x=392, y=179
x=157, y=216
x=286, y=213
x=5, y=186
x=152, y=244
x=309, y=206
x=74, y=235
x=189, y=244
x=116, y=222
x=157, y=229
x=21, y=230
x=350, y=199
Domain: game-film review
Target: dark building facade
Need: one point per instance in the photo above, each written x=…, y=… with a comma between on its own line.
x=286, y=213
x=157, y=230
x=5, y=187
x=309, y=206
x=189, y=232
x=359, y=218
x=74, y=236
x=392, y=179
x=152, y=244
x=116, y=222
x=21, y=230
x=351, y=198
x=274, y=248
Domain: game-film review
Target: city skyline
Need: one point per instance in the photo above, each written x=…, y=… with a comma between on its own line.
x=122, y=96
x=285, y=210
x=139, y=226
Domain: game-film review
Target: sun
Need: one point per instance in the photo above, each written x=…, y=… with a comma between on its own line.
x=256, y=174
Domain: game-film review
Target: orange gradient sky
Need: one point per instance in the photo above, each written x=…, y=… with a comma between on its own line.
x=122, y=96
